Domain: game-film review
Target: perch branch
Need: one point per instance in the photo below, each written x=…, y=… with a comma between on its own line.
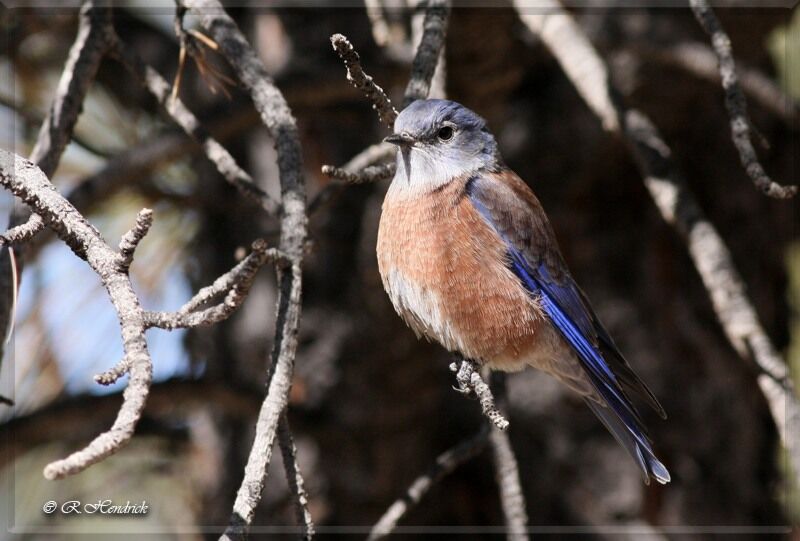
x=444, y=465
x=678, y=207
x=276, y=116
x=363, y=82
x=470, y=381
x=736, y=104
x=512, y=499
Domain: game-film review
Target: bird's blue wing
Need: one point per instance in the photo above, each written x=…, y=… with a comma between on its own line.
x=512, y=210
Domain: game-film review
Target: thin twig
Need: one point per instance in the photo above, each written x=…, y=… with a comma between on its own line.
x=736, y=103
x=236, y=283
x=131, y=239
x=374, y=173
x=444, y=465
x=295, y=479
x=469, y=381
x=678, y=207
x=363, y=82
x=277, y=117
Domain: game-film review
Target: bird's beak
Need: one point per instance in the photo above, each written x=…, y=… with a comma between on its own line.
x=399, y=139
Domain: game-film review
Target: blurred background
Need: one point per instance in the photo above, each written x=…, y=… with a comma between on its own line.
x=371, y=406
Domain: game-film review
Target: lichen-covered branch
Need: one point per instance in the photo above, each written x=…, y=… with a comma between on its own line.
x=678, y=207
x=363, y=82
x=373, y=173
x=131, y=239
x=277, y=117
x=444, y=465
x=736, y=104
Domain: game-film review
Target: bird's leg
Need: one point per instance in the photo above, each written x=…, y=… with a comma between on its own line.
x=469, y=380
x=464, y=374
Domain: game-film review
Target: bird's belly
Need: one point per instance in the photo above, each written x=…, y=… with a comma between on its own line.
x=445, y=272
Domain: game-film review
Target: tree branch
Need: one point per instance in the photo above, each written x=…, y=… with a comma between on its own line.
x=363, y=82
x=679, y=208
x=373, y=173
x=736, y=104
x=28, y=182
x=236, y=282
x=277, y=117
x=512, y=499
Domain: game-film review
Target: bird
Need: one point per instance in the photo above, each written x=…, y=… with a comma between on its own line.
x=469, y=259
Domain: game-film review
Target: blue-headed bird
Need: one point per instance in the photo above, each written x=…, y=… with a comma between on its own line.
x=469, y=259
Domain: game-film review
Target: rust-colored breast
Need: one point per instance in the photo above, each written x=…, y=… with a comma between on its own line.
x=445, y=271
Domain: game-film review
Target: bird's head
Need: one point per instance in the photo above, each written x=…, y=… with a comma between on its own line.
x=438, y=142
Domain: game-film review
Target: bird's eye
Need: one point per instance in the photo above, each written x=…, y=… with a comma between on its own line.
x=445, y=133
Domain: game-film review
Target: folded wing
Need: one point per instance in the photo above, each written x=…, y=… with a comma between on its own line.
x=512, y=210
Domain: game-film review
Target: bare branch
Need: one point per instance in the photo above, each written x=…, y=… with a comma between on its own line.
x=23, y=232
x=373, y=173
x=370, y=156
x=275, y=113
x=736, y=104
x=175, y=108
x=29, y=183
x=131, y=239
x=679, y=208
x=363, y=82
x=434, y=31
x=469, y=380
x=294, y=478
x=444, y=465
x=112, y=375
x=236, y=282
